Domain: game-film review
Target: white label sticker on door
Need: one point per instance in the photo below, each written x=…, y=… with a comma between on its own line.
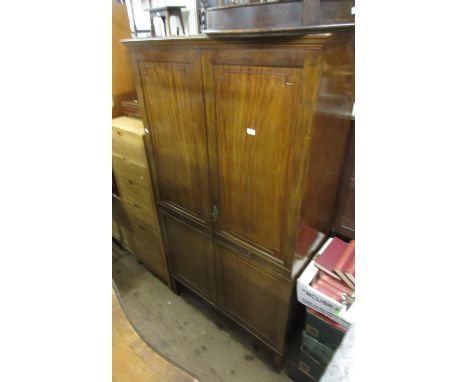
x=251, y=131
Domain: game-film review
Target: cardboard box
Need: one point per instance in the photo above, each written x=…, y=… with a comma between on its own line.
x=314, y=299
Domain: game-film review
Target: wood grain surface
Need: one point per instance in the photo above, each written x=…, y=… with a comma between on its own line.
x=133, y=360
x=246, y=152
x=123, y=86
x=253, y=169
x=174, y=104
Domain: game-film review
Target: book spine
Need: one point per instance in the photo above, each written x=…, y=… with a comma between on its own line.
x=326, y=289
x=351, y=277
x=338, y=285
x=325, y=319
x=323, y=352
x=345, y=279
x=310, y=364
x=327, y=271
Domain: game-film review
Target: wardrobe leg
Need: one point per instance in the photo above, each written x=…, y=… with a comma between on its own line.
x=175, y=287
x=278, y=362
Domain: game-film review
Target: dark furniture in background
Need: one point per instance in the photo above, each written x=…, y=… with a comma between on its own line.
x=344, y=221
x=247, y=15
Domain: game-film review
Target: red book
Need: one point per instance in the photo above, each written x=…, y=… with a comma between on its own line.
x=346, y=263
x=337, y=285
x=345, y=267
x=326, y=290
x=328, y=260
x=329, y=286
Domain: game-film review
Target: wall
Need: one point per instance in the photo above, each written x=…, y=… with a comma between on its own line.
x=122, y=77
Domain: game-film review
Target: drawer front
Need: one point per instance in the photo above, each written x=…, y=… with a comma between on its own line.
x=126, y=238
x=128, y=145
x=135, y=192
x=137, y=212
x=149, y=250
x=130, y=170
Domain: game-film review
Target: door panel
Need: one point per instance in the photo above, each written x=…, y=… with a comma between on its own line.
x=251, y=296
x=256, y=113
x=191, y=257
x=175, y=111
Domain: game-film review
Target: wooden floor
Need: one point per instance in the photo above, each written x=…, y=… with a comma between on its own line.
x=133, y=360
x=188, y=331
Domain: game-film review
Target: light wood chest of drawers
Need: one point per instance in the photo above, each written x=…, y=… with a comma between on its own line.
x=130, y=168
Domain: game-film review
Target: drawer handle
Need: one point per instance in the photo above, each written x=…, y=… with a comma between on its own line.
x=130, y=182
x=119, y=133
x=141, y=227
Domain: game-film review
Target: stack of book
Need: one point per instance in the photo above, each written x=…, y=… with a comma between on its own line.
x=327, y=283
x=336, y=273
x=326, y=287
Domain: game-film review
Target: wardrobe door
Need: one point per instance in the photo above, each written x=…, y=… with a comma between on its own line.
x=255, y=298
x=173, y=101
x=190, y=253
x=258, y=122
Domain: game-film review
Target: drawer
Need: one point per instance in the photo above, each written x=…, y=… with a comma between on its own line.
x=135, y=192
x=130, y=170
x=148, y=249
x=138, y=213
x=128, y=145
x=142, y=229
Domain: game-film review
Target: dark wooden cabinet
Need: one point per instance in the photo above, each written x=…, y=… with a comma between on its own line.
x=248, y=143
x=344, y=220
x=259, y=114
x=258, y=15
